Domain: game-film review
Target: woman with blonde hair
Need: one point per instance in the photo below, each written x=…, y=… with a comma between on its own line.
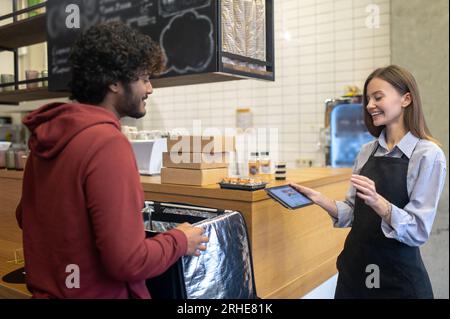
x=395, y=188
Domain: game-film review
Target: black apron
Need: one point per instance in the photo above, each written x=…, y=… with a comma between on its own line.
x=401, y=270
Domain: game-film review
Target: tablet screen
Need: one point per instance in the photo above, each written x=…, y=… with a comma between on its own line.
x=289, y=196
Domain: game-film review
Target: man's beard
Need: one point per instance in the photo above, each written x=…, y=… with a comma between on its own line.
x=131, y=104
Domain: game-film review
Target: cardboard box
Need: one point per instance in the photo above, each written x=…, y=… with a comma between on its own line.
x=196, y=160
x=201, y=144
x=194, y=177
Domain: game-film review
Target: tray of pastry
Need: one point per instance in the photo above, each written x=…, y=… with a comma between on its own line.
x=245, y=184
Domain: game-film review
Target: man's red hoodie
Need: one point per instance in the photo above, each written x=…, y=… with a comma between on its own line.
x=81, y=209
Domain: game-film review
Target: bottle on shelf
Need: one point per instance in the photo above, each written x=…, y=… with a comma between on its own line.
x=253, y=165
x=265, y=167
x=10, y=159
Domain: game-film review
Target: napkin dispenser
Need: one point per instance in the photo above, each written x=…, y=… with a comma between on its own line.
x=149, y=154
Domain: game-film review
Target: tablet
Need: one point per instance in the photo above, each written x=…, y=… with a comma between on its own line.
x=289, y=196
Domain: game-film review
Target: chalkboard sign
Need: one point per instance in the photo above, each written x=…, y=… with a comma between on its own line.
x=185, y=29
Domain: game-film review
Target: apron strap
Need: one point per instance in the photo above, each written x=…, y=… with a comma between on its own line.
x=375, y=149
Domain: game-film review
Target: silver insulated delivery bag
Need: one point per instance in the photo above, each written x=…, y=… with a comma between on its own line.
x=223, y=271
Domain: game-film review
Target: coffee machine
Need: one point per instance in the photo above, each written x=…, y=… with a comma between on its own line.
x=348, y=134
x=344, y=132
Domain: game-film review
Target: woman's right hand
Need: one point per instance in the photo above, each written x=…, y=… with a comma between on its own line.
x=326, y=203
x=308, y=192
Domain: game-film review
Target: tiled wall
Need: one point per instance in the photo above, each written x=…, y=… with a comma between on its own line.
x=321, y=47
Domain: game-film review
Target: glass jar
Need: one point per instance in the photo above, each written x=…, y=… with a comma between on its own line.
x=244, y=118
x=7, y=78
x=265, y=163
x=32, y=75
x=253, y=164
x=10, y=159
x=265, y=167
x=21, y=156
x=44, y=74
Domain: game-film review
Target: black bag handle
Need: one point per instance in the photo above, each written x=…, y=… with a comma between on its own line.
x=158, y=206
x=175, y=218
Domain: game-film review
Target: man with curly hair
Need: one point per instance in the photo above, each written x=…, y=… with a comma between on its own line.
x=80, y=210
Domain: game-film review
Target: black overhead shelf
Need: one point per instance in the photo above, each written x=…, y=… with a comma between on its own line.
x=23, y=32
x=23, y=95
x=33, y=30
x=17, y=34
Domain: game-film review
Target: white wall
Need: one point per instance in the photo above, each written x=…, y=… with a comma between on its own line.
x=321, y=46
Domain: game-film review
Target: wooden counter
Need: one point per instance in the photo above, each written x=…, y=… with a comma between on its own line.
x=293, y=251
x=10, y=233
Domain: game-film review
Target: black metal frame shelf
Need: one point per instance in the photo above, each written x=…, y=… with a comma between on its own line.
x=18, y=34
x=42, y=79
x=16, y=12
x=32, y=30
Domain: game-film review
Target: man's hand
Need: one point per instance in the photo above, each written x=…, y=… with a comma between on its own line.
x=195, y=239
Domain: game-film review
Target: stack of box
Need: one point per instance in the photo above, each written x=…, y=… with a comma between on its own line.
x=196, y=160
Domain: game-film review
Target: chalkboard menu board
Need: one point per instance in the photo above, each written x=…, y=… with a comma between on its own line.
x=185, y=29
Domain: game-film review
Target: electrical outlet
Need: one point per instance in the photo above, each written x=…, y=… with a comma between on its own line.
x=304, y=162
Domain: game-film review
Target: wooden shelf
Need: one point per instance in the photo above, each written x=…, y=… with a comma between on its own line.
x=41, y=93
x=23, y=32
x=192, y=79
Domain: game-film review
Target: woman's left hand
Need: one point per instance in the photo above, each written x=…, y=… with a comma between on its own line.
x=366, y=190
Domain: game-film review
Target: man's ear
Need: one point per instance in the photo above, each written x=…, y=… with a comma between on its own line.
x=115, y=87
x=406, y=100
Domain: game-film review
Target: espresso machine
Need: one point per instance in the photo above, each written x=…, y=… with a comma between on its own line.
x=344, y=132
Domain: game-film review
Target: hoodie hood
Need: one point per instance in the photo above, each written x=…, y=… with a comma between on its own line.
x=54, y=125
